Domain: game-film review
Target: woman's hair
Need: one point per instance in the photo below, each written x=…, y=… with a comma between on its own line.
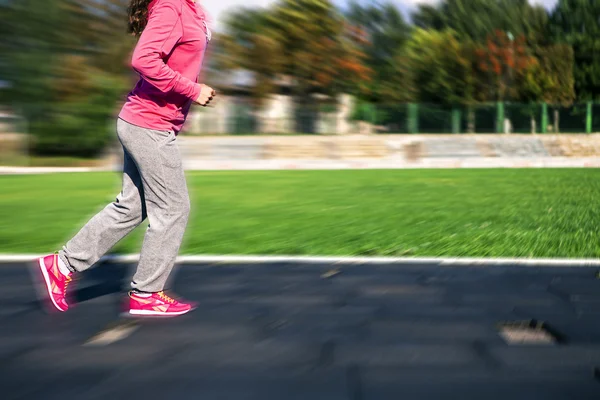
x=138, y=16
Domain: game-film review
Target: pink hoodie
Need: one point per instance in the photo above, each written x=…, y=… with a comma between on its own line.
x=168, y=58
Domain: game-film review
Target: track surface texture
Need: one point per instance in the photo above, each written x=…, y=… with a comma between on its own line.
x=308, y=331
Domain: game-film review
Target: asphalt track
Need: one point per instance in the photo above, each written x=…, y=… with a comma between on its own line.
x=310, y=331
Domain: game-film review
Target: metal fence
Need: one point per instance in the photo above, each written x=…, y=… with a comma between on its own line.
x=483, y=118
x=244, y=119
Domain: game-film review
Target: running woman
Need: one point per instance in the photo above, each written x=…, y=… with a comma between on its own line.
x=173, y=36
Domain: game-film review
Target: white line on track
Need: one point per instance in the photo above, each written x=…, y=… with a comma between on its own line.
x=443, y=261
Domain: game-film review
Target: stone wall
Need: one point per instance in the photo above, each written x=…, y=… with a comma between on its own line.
x=368, y=151
x=390, y=151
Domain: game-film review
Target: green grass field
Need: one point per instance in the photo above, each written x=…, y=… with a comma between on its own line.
x=495, y=213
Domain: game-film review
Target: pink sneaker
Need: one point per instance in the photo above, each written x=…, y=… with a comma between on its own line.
x=156, y=304
x=56, y=283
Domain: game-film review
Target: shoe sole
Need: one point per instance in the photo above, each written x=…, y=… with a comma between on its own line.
x=42, y=268
x=150, y=313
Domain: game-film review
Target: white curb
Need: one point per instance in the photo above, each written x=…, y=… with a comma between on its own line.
x=442, y=261
x=51, y=170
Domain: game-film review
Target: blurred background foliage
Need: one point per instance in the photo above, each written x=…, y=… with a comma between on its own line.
x=64, y=65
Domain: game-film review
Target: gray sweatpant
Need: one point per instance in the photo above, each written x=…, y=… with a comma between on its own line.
x=154, y=187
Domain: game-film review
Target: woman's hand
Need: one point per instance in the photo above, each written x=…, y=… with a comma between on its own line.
x=206, y=95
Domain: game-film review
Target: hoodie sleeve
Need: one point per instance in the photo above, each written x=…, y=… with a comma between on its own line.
x=162, y=33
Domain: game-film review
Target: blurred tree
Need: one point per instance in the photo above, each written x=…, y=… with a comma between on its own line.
x=320, y=51
x=503, y=59
x=441, y=67
x=442, y=70
x=305, y=40
x=577, y=23
x=101, y=27
x=385, y=34
x=429, y=17
x=30, y=39
x=354, y=62
x=316, y=44
x=554, y=71
x=476, y=19
x=549, y=79
x=51, y=61
x=249, y=41
x=537, y=26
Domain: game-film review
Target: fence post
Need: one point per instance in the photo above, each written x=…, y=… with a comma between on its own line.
x=233, y=121
x=413, y=118
x=500, y=117
x=588, y=120
x=372, y=113
x=544, y=118
x=455, y=120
